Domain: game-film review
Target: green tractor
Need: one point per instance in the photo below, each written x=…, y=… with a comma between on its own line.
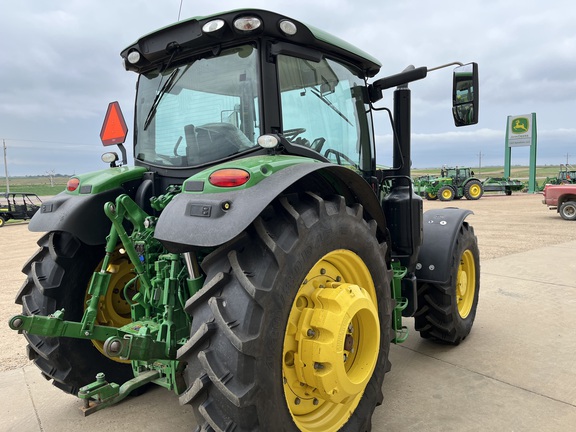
x=566, y=175
x=454, y=183
x=254, y=260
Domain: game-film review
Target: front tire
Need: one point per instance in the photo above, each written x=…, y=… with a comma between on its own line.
x=446, y=193
x=446, y=312
x=291, y=330
x=57, y=278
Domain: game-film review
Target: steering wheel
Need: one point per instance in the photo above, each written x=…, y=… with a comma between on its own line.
x=340, y=155
x=290, y=134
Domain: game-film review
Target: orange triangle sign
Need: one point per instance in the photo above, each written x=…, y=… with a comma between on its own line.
x=114, y=129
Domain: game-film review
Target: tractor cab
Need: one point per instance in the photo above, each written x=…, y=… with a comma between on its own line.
x=209, y=87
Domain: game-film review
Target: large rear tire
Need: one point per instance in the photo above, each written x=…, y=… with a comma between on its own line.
x=291, y=330
x=446, y=312
x=57, y=278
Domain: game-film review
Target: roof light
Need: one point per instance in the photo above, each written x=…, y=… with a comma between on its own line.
x=267, y=141
x=72, y=184
x=213, y=26
x=229, y=177
x=288, y=27
x=133, y=57
x=247, y=23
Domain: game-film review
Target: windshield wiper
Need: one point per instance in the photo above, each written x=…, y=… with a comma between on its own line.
x=165, y=89
x=330, y=104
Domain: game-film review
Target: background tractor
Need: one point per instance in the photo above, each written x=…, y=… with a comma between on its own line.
x=453, y=183
x=566, y=175
x=254, y=260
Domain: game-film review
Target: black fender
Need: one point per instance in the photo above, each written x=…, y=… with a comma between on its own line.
x=441, y=229
x=207, y=220
x=81, y=215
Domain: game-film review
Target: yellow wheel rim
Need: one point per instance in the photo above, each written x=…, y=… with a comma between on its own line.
x=113, y=308
x=474, y=191
x=447, y=194
x=466, y=284
x=331, y=342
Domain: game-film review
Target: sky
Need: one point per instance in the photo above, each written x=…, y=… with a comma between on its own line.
x=61, y=67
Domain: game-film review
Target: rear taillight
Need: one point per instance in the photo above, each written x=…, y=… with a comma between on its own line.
x=72, y=184
x=229, y=177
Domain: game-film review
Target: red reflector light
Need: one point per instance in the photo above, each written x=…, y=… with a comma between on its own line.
x=72, y=184
x=114, y=129
x=229, y=177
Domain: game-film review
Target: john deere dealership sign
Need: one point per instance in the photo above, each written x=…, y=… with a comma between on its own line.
x=520, y=130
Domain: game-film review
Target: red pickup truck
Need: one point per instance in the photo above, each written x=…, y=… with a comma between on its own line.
x=562, y=198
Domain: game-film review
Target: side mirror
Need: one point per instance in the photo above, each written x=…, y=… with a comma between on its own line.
x=465, y=95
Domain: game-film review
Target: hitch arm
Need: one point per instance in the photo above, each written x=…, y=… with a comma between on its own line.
x=55, y=326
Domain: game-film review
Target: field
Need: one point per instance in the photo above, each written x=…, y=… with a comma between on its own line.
x=40, y=185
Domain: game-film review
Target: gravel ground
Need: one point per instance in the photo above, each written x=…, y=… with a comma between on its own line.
x=504, y=225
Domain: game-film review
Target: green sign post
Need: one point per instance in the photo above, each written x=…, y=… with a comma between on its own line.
x=521, y=132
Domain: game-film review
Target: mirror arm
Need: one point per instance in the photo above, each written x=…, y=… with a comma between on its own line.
x=408, y=75
x=456, y=63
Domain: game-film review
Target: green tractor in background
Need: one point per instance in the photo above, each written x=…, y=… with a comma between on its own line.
x=254, y=260
x=566, y=175
x=454, y=183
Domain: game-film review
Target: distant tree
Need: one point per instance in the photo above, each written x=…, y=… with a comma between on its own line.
x=50, y=175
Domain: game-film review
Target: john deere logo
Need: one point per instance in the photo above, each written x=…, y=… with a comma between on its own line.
x=520, y=125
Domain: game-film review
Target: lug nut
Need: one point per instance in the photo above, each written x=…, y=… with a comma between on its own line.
x=311, y=333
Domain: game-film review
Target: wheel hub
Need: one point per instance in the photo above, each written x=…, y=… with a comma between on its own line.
x=330, y=358
x=465, y=284
x=114, y=308
x=331, y=344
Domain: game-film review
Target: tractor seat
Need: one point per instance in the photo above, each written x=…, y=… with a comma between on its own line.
x=213, y=141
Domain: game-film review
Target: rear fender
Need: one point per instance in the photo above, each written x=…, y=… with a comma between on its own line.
x=441, y=229
x=210, y=219
x=81, y=215
x=81, y=212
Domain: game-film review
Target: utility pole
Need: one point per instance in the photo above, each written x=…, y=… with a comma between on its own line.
x=6, y=167
x=480, y=162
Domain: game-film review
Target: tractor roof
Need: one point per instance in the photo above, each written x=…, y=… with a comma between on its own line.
x=179, y=40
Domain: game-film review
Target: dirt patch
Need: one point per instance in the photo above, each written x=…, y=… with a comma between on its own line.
x=504, y=225
x=509, y=224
